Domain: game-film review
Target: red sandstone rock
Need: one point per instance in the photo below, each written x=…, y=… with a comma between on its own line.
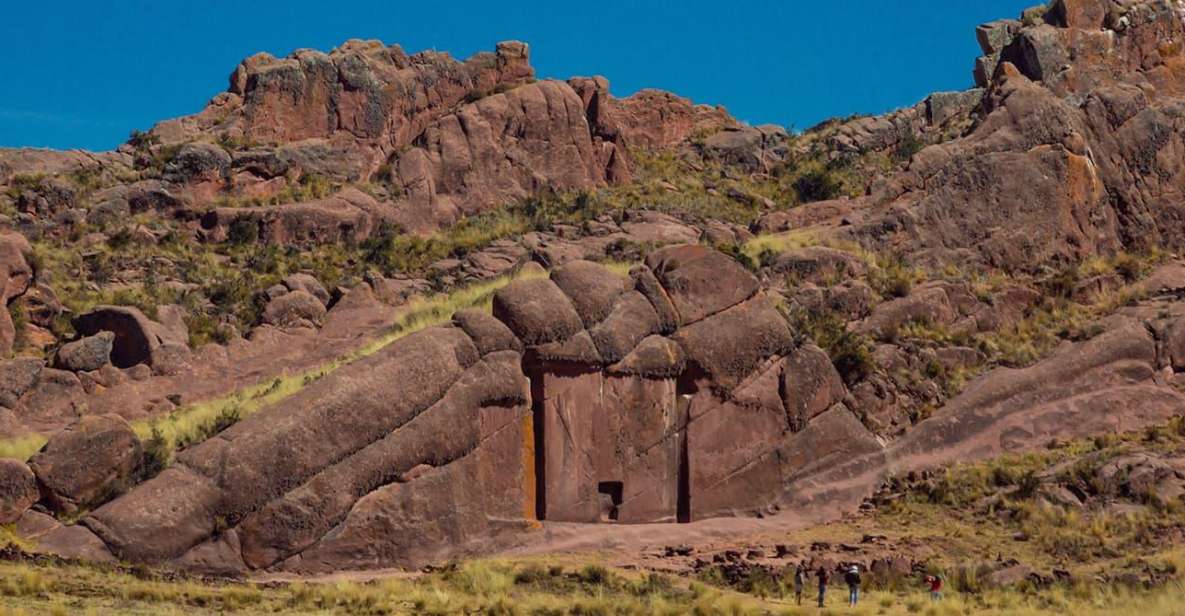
x=18, y=490
x=137, y=338
x=699, y=281
x=537, y=311
x=87, y=464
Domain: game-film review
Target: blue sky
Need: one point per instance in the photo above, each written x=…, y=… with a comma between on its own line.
x=84, y=74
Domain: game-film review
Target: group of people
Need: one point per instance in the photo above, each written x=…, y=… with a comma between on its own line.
x=851, y=577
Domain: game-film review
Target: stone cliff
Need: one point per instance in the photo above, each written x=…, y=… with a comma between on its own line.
x=709, y=320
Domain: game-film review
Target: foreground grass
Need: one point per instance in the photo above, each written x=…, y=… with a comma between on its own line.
x=480, y=587
x=967, y=517
x=501, y=587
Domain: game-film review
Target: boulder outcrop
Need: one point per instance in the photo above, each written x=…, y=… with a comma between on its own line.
x=15, y=278
x=450, y=138
x=87, y=464
x=18, y=490
x=137, y=339
x=567, y=404
x=86, y=354
x=690, y=388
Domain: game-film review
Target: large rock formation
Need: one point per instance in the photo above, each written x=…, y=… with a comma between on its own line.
x=452, y=138
x=1074, y=150
x=585, y=397
x=674, y=394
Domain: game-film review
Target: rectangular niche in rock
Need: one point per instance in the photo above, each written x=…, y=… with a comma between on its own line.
x=610, y=493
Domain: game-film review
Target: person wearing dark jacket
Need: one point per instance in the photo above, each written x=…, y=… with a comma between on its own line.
x=800, y=576
x=821, y=574
x=852, y=577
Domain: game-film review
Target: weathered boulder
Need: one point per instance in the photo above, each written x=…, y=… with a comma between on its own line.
x=347, y=216
x=631, y=319
x=87, y=464
x=591, y=288
x=648, y=285
x=993, y=37
x=18, y=490
x=654, y=357
x=309, y=284
x=939, y=304
x=489, y=334
x=809, y=385
x=197, y=162
x=74, y=542
x=943, y=106
x=537, y=311
x=1174, y=344
x=731, y=344
x=579, y=349
x=15, y=277
x=294, y=309
x=161, y=518
x=754, y=148
x=1038, y=52
x=18, y=376
x=657, y=228
x=86, y=354
x=818, y=264
x=657, y=119
x=700, y=281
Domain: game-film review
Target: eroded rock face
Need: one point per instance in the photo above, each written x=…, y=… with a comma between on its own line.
x=568, y=404
x=1068, y=391
x=137, y=339
x=1078, y=107
x=15, y=277
x=452, y=138
x=347, y=216
x=18, y=490
x=494, y=151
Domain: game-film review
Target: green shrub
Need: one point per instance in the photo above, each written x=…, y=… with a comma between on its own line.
x=892, y=277
x=907, y=146
x=158, y=453
x=142, y=140
x=818, y=185
x=243, y=231
x=850, y=352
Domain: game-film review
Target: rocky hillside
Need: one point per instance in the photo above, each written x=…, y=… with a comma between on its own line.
x=371, y=309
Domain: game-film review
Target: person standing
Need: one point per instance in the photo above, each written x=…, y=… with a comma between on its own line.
x=821, y=574
x=852, y=577
x=799, y=582
x=935, y=583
